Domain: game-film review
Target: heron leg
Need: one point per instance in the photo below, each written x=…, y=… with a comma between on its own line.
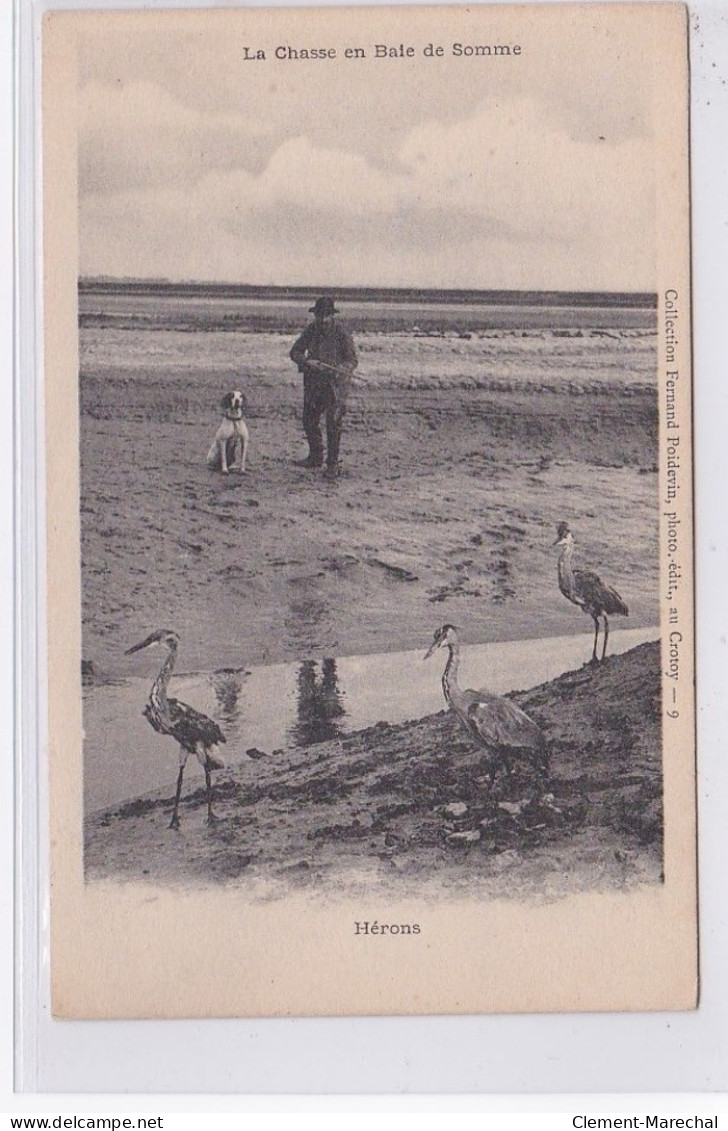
x=595, y=658
x=606, y=636
x=174, y=823
x=211, y=818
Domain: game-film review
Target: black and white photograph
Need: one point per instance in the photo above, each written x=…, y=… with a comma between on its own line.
x=379, y=362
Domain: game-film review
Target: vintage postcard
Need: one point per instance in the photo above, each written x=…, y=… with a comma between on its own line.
x=370, y=605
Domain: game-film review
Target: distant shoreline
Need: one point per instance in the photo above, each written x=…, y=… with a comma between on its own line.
x=370, y=294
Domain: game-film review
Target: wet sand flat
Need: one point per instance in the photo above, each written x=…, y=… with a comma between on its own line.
x=446, y=510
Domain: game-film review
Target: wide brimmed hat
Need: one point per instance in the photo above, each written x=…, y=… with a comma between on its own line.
x=323, y=305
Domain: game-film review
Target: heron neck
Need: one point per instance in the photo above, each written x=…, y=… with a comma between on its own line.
x=566, y=574
x=159, y=687
x=450, y=675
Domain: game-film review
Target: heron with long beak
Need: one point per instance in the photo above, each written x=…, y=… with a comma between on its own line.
x=195, y=733
x=586, y=589
x=502, y=728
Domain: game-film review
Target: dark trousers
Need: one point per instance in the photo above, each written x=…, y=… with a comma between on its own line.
x=324, y=395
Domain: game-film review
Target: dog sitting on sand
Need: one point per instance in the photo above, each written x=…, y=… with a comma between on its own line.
x=231, y=436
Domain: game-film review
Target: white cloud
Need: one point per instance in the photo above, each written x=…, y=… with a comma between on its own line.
x=503, y=197
x=137, y=134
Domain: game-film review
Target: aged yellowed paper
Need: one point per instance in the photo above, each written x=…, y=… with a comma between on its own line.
x=367, y=343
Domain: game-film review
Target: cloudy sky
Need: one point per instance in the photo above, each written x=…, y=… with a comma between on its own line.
x=528, y=172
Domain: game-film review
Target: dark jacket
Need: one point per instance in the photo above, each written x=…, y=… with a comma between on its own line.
x=331, y=344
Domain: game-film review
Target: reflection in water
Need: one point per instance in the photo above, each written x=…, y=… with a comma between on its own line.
x=227, y=686
x=292, y=704
x=320, y=703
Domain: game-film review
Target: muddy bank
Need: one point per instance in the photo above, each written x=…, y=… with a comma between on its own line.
x=406, y=808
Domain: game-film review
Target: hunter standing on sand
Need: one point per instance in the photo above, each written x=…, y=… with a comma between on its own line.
x=326, y=356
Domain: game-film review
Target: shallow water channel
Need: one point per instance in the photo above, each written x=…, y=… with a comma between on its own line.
x=297, y=704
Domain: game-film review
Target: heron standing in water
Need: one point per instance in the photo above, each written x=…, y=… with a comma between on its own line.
x=586, y=589
x=195, y=733
x=501, y=727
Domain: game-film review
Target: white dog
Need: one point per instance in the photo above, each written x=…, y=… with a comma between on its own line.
x=231, y=435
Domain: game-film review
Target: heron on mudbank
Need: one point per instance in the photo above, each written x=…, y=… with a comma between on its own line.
x=586, y=589
x=195, y=733
x=501, y=727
